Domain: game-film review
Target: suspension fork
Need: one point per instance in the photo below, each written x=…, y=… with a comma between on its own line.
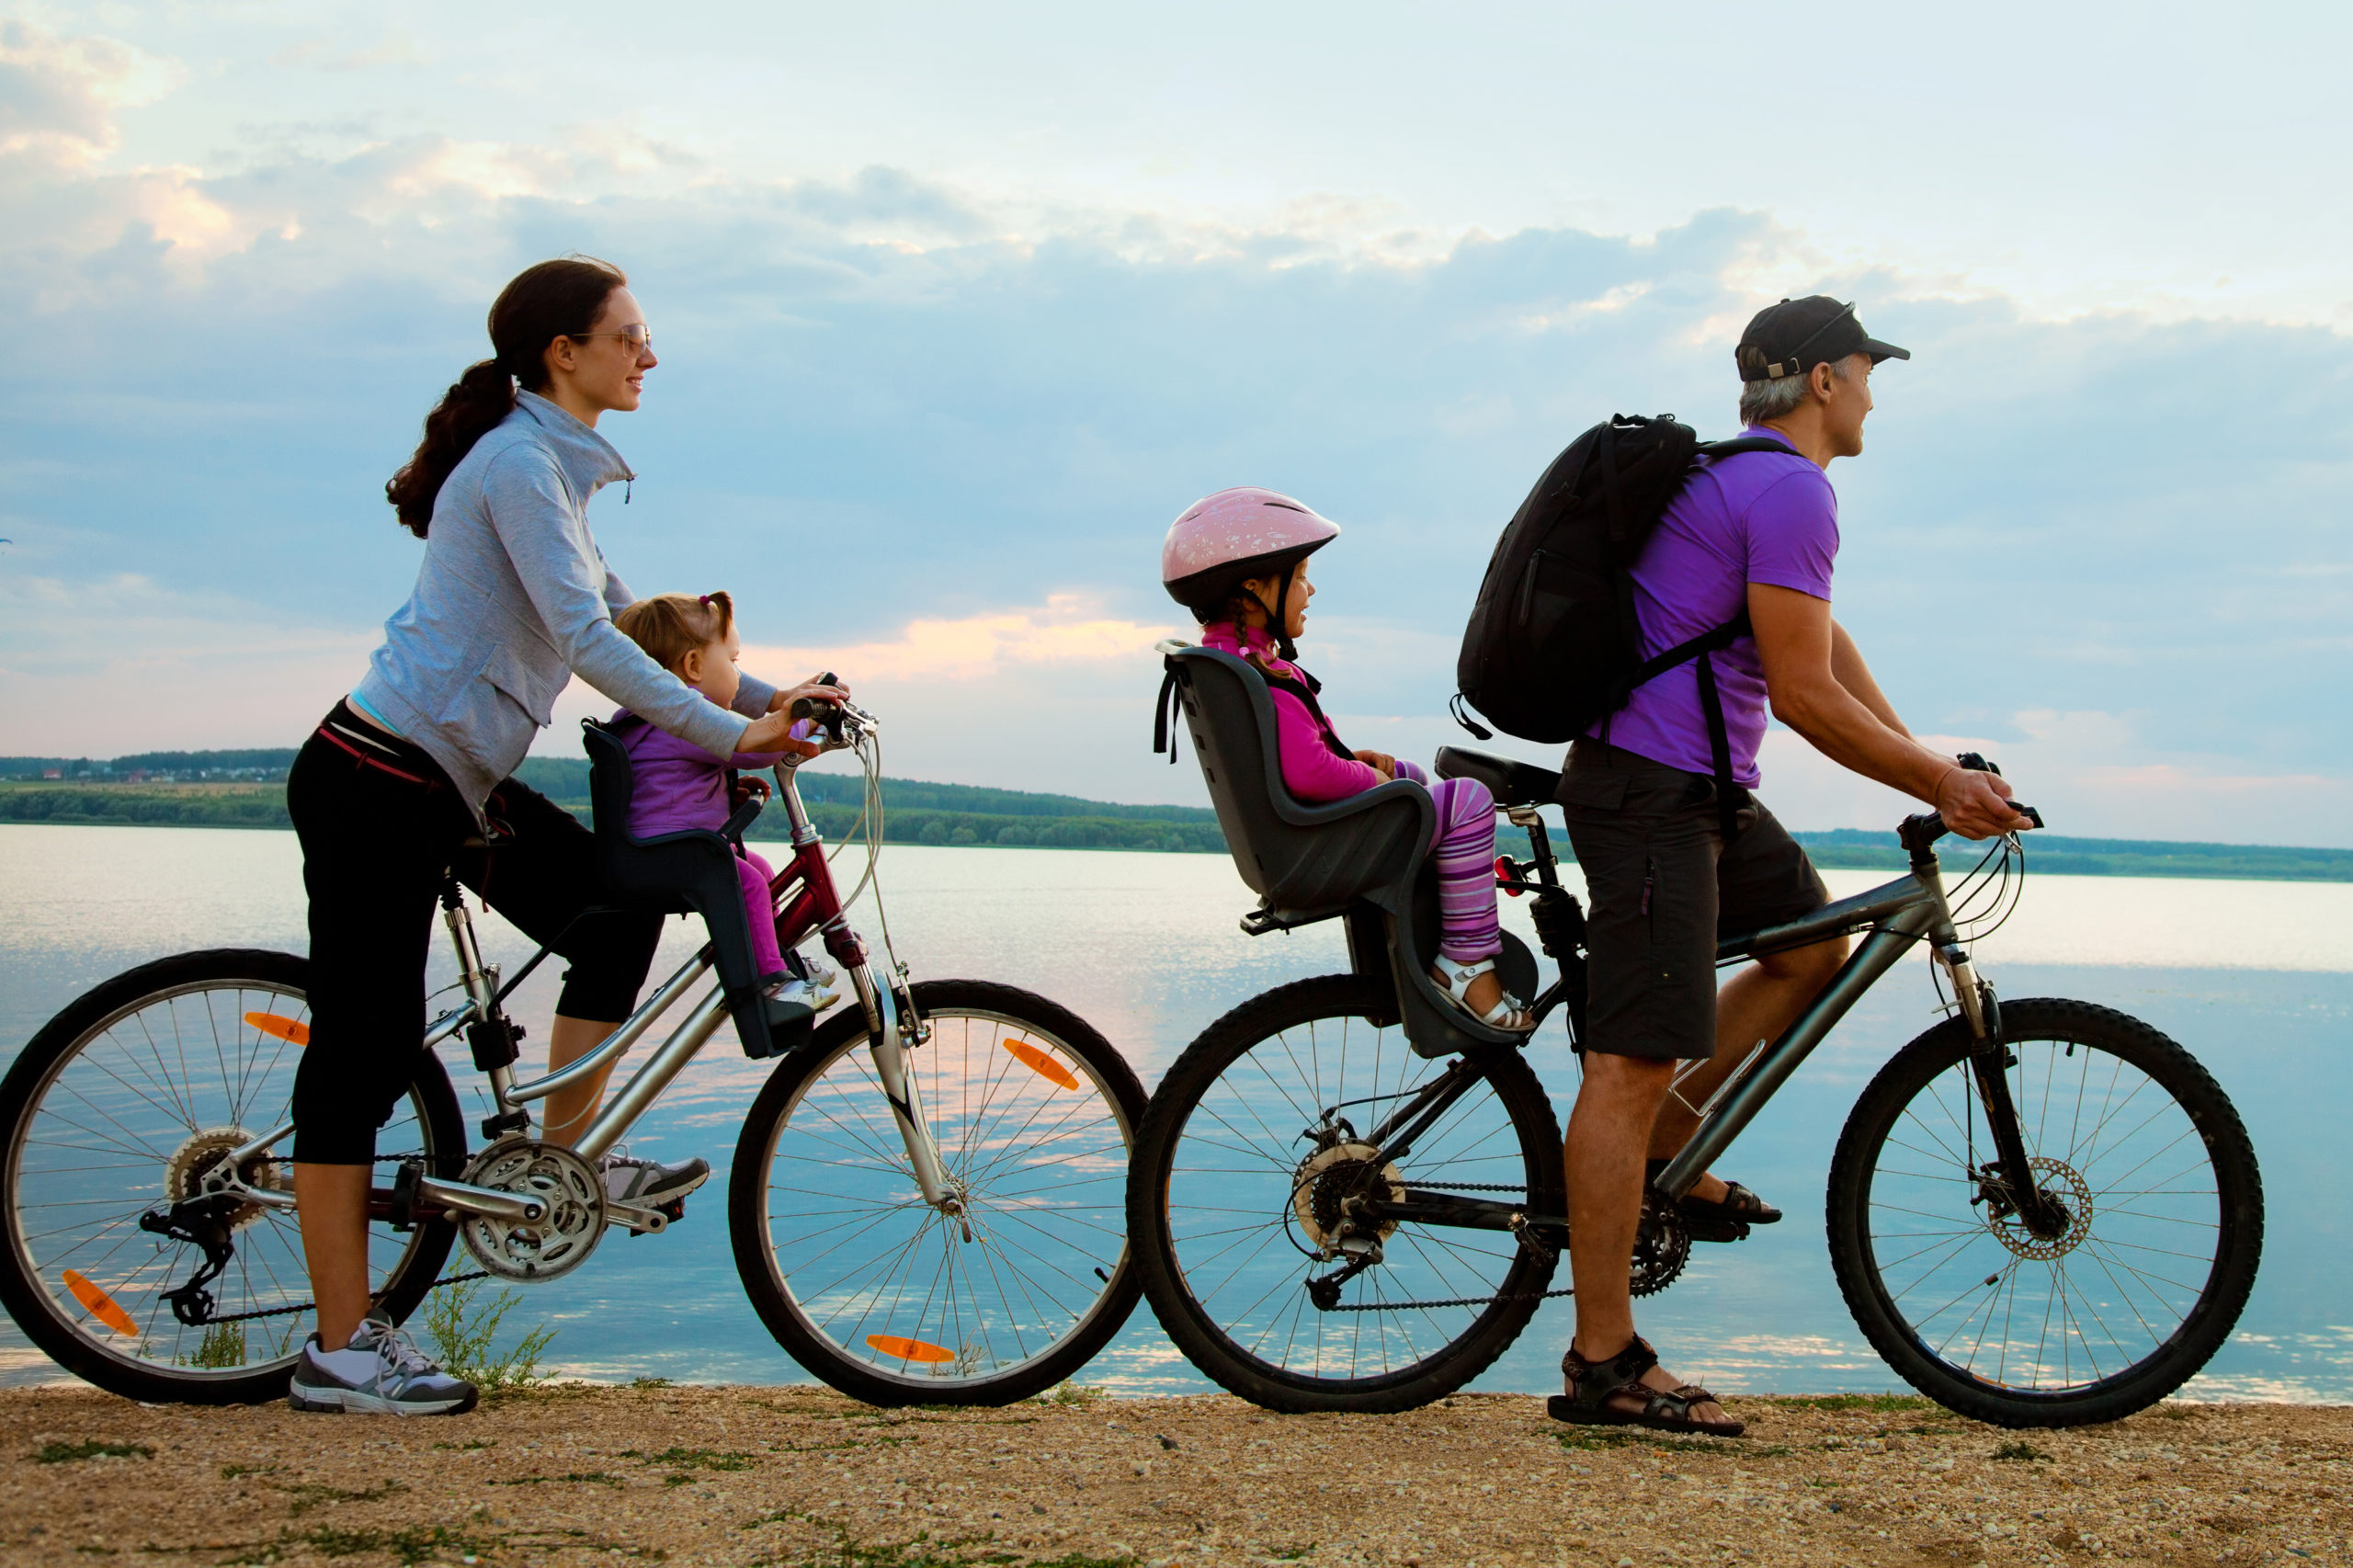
x=1989, y=1061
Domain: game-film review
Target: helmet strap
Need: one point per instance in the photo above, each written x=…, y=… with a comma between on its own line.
x=1279, y=622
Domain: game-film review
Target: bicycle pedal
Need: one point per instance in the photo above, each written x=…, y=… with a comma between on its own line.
x=639, y=1222
x=1718, y=1230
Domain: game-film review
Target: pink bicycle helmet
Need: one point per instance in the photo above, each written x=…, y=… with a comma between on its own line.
x=1222, y=540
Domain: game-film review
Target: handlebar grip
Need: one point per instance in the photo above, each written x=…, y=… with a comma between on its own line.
x=812, y=707
x=2026, y=812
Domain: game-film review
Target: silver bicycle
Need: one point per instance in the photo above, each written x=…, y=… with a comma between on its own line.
x=925, y=1203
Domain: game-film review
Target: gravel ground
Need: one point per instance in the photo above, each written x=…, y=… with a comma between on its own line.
x=781, y=1475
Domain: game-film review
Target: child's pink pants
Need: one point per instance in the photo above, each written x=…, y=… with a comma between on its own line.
x=1463, y=844
x=759, y=906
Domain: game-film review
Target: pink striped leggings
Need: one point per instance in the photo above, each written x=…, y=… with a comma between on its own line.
x=1465, y=847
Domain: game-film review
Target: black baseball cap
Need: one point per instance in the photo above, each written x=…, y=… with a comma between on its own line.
x=1793, y=337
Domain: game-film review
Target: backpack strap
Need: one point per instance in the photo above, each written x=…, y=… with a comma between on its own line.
x=1699, y=648
x=1712, y=640
x=1740, y=444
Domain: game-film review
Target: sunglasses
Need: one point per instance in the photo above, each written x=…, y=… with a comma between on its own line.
x=639, y=338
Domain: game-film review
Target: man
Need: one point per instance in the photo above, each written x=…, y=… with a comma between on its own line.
x=1760, y=530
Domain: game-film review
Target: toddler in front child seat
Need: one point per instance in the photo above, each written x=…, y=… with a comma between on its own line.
x=677, y=785
x=1238, y=561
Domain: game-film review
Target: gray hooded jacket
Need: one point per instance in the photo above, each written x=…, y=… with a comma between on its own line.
x=513, y=599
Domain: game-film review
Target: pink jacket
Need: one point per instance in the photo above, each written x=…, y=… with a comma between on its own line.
x=1314, y=769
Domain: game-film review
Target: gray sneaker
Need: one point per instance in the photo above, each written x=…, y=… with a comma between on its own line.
x=650, y=1183
x=381, y=1373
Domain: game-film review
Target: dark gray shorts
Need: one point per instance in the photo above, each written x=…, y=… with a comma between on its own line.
x=1662, y=887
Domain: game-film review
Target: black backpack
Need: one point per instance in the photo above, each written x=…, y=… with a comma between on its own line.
x=1553, y=645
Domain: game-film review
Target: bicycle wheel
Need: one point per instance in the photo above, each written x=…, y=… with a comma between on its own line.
x=117, y=1108
x=1253, y=1145
x=2164, y=1203
x=880, y=1294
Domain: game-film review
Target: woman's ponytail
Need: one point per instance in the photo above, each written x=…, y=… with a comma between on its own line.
x=555, y=299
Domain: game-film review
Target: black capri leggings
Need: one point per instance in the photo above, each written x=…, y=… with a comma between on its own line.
x=380, y=823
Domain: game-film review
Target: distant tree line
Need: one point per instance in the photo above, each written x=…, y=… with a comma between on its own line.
x=919, y=812
x=913, y=812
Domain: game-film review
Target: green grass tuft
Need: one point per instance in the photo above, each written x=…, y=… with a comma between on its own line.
x=70, y=1453
x=1881, y=1402
x=464, y=1333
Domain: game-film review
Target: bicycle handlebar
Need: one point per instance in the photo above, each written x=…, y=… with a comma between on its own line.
x=1918, y=833
x=830, y=716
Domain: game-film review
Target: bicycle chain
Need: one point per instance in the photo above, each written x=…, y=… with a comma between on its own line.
x=1456, y=1301
x=306, y=1306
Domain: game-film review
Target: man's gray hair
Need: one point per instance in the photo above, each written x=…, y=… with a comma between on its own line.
x=1761, y=401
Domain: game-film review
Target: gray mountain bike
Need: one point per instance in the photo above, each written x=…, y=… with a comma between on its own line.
x=2041, y=1212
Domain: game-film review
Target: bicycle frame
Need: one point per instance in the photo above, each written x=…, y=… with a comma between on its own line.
x=811, y=904
x=1894, y=918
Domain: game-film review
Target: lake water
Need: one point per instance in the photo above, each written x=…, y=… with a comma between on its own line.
x=2255, y=978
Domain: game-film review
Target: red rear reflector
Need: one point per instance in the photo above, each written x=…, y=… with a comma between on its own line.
x=1041, y=1063
x=284, y=1028
x=909, y=1349
x=101, y=1305
x=1505, y=874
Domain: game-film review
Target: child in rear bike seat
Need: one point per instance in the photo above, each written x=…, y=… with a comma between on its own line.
x=680, y=786
x=1238, y=561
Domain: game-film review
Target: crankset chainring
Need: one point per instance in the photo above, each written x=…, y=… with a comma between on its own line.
x=573, y=1191
x=1325, y=1180
x=1662, y=1246
x=184, y=1170
x=2059, y=1182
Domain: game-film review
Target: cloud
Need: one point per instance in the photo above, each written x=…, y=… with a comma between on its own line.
x=59, y=95
x=979, y=647
x=121, y=664
x=931, y=438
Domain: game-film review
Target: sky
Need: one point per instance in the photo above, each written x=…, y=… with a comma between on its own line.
x=957, y=307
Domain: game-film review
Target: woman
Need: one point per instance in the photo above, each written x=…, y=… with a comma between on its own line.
x=409, y=774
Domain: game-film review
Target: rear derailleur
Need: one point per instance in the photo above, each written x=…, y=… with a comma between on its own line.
x=200, y=1222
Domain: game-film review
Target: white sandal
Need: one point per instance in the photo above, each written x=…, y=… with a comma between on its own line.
x=1509, y=1015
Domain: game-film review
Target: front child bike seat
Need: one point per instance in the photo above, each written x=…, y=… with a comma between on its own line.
x=693, y=870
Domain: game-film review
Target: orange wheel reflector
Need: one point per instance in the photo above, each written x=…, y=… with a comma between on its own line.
x=1041, y=1063
x=284, y=1028
x=909, y=1349
x=101, y=1305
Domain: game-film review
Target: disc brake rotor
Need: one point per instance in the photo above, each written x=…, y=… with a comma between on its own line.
x=571, y=1191
x=184, y=1170
x=1330, y=1176
x=2060, y=1182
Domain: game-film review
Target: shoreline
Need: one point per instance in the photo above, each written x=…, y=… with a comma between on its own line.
x=787, y=1475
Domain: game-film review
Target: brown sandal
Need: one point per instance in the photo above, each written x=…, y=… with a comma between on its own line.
x=1593, y=1384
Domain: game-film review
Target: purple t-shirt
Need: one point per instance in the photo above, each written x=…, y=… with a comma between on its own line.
x=1750, y=518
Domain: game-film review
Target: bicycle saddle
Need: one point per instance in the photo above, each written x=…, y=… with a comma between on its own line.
x=1512, y=783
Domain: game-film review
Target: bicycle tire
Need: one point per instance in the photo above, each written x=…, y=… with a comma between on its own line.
x=1196, y=1327
x=831, y=1073
x=2119, y=1245
x=68, y=1331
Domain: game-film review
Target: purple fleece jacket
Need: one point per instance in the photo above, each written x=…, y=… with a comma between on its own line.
x=678, y=784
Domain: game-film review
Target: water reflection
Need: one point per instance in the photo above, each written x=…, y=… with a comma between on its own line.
x=2255, y=978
